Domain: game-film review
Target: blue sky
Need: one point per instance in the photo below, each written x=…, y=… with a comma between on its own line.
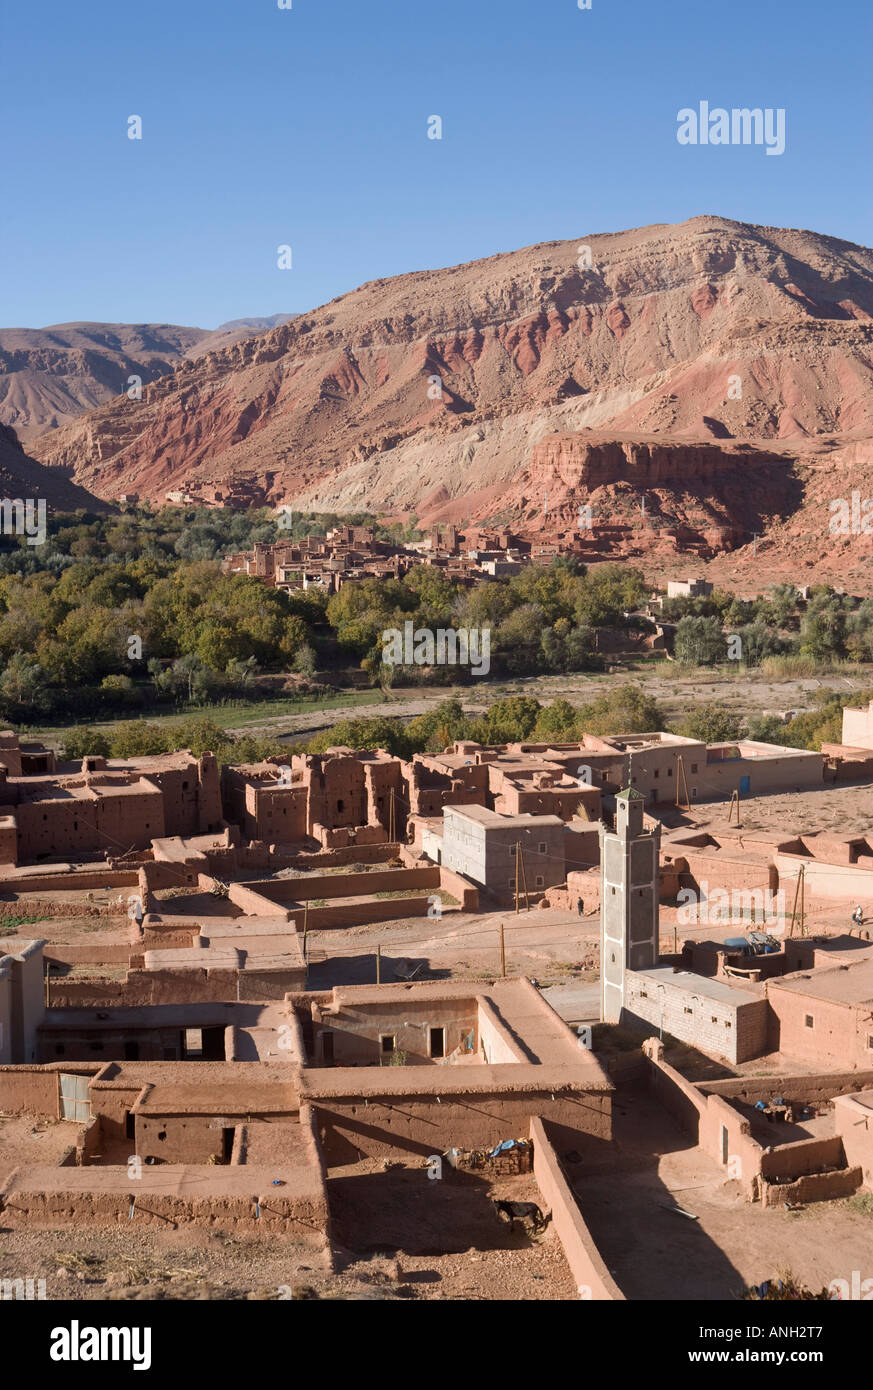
x=308, y=127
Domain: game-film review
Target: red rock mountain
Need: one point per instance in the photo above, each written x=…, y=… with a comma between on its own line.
x=49, y=376
x=459, y=392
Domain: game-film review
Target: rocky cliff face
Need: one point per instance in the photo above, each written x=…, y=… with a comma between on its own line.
x=430, y=392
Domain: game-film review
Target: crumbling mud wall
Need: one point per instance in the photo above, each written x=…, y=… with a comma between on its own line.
x=167, y=1196
x=814, y=1187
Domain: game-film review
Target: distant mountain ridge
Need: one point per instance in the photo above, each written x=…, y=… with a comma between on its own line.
x=49, y=376
x=438, y=393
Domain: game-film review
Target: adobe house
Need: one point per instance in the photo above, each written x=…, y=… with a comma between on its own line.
x=419, y=1068
x=107, y=806
x=835, y=868
x=825, y=1016
x=264, y=803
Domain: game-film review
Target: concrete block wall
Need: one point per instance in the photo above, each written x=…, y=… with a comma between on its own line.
x=735, y=1031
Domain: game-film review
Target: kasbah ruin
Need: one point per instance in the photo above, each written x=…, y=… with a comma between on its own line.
x=308, y=1008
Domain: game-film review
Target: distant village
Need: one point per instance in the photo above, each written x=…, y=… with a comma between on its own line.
x=353, y=552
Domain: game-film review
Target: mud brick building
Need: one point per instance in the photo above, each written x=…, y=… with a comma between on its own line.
x=825, y=1016
x=108, y=806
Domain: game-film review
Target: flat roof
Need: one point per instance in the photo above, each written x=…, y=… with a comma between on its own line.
x=719, y=990
x=497, y=822
x=850, y=983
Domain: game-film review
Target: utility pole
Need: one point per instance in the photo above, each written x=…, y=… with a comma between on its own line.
x=682, y=781
x=799, y=892
x=378, y=965
x=517, y=856
x=524, y=880
x=502, y=954
x=391, y=825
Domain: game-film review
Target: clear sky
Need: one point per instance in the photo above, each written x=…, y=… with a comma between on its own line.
x=308, y=127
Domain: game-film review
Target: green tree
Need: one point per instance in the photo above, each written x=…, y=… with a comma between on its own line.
x=699, y=642
x=712, y=723
x=23, y=684
x=82, y=742
x=557, y=723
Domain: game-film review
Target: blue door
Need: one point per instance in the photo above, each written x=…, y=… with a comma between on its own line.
x=745, y=785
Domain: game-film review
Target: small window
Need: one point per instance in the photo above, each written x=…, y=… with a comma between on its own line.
x=714, y=1019
x=669, y=772
x=728, y=1024
x=870, y=1040
x=644, y=994
x=808, y=1021
x=386, y=1042
x=327, y=1046
x=603, y=776
x=657, y=772
x=687, y=1010
x=184, y=786
x=612, y=891
x=339, y=805
x=694, y=767
x=540, y=880
x=510, y=883
x=437, y=1042
x=542, y=847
